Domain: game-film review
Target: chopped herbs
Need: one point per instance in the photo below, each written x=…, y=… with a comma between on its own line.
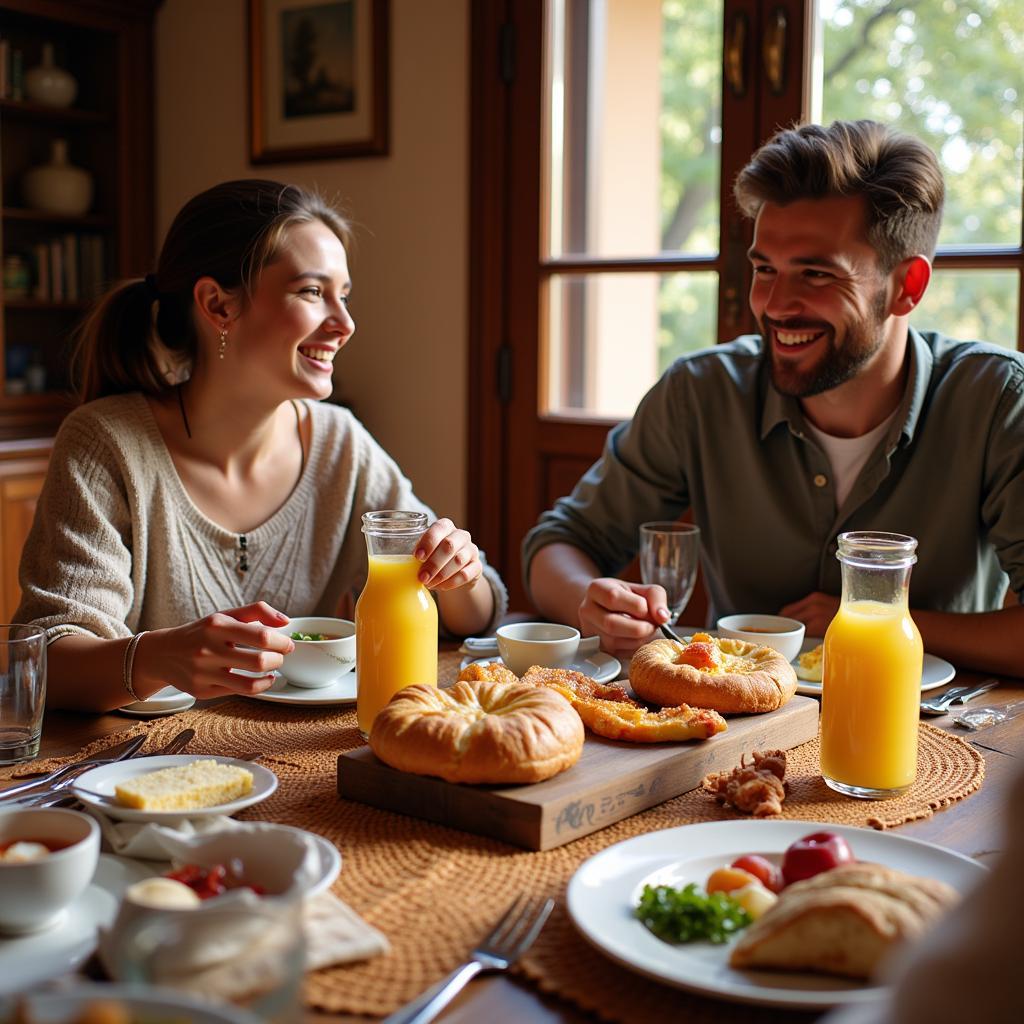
x=308, y=636
x=688, y=914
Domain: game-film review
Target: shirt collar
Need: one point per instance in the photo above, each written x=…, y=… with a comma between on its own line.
x=778, y=408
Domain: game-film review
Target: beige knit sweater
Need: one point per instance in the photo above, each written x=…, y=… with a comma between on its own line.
x=117, y=545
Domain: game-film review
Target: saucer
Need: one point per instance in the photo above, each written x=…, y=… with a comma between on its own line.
x=26, y=960
x=600, y=667
x=340, y=691
x=168, y=701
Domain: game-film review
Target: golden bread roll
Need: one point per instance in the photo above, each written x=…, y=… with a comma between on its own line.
x=809, y=665
x=481, y=731
x=726, y=675
x=610, y=712
x=843, y=921
x=487, y=671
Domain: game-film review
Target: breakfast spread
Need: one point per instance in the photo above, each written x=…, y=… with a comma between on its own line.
x=726, y=675
x=478, y=732
x=185, y=787
x=757, y=788
x=809, y=665
x=610, y=712
x=820, y=911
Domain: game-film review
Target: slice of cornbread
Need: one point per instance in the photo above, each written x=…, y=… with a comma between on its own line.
x=199, y=784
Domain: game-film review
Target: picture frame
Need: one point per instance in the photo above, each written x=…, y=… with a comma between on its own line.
x=318, y=79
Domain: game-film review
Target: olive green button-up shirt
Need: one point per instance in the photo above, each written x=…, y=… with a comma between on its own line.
x=714, y=436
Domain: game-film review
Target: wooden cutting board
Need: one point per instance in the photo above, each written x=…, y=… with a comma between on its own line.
x=611, y=781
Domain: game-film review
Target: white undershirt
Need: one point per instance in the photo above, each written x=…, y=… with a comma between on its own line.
x=847, y=455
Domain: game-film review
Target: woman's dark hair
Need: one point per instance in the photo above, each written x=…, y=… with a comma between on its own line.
x=229, y=232
x=897, y=174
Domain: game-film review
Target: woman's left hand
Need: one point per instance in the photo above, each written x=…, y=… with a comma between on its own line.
x=449, y=556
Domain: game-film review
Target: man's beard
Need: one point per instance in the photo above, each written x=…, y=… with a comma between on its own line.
x=838, y=364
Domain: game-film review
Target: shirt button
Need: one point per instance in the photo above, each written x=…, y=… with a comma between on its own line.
x=820, y=480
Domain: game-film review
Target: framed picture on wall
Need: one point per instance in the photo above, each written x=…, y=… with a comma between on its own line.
x=318, y=79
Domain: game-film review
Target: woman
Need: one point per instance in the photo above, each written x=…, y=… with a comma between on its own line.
x=203, y=494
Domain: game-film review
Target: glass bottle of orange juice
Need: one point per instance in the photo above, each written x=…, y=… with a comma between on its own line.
x=396, y=618
x=871, y=686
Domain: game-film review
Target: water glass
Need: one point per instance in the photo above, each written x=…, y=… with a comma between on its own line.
x=22, y=691
x=669, y=557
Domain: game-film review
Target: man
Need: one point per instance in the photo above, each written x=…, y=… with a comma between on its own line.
x=837, y=417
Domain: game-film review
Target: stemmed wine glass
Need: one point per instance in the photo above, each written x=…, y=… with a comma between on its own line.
x=669, y=556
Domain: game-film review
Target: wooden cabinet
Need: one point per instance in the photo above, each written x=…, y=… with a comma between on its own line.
x=22, y=471
x=56, y=263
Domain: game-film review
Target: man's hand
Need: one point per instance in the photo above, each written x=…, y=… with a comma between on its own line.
x=815, y=611
x=624, y=615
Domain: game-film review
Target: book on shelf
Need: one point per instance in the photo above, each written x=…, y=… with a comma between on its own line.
x=68, y=268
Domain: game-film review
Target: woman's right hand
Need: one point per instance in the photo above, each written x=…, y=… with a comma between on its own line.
x=197, y=657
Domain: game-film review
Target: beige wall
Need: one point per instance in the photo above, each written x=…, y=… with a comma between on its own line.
x=405, y=370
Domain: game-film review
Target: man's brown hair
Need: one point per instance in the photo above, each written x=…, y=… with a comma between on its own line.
x=897, y=174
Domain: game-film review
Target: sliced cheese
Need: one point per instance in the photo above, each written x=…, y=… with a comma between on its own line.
x=185, y=787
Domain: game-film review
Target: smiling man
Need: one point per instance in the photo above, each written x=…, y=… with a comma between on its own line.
x=838, y=416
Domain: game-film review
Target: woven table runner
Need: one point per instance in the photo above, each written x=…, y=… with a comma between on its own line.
x=435, y=891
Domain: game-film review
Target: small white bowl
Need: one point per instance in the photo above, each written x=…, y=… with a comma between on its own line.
x=776, y=631
x=548, y=644
x=316, y=663
x=35, y=894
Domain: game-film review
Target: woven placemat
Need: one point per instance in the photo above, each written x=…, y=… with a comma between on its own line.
x=435, y=891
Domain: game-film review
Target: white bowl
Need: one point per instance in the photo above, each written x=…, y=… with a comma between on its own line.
x=524, y=644
x=316, y=663
x=776, y=631
x=34, y=895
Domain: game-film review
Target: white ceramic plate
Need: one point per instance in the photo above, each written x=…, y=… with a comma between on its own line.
x=96, y=787
x=605, y=889
x=601, y=667
x=340, y=691
x=154, y=1005
x=934, y=672
x=168, y=701
x=28, y=959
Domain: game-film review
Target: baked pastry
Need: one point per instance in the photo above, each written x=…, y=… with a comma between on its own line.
x=487, y=671
x=610, y=712
x=756, y=788
x=481, y=731
x=723, y=674
x=809, y=665
x=843, y=921
x=197, y=784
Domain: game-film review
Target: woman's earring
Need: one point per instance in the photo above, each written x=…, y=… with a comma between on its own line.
x=223, y=343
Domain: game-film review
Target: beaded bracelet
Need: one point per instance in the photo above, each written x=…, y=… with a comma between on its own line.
x=129, y=660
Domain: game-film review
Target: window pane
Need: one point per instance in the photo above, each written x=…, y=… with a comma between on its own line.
x=610, y=336
x=950, y=72
x=634, y=126
x=972, y=305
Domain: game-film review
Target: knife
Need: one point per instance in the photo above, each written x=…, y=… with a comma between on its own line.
x=115, y=753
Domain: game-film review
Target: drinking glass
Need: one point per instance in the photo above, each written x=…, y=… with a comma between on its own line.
x=22, y=691
x=669, y=556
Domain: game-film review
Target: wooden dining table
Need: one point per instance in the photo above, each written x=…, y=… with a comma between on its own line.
x=972, y=826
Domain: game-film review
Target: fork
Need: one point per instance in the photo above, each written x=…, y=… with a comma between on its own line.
x=957, y=695
x=54, y=797
x=511, y=937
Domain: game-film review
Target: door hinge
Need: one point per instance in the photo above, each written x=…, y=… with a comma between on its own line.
x=507, y=52
x=504, y=374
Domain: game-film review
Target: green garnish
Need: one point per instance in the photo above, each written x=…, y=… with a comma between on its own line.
x=688, y=914
x=308, y=636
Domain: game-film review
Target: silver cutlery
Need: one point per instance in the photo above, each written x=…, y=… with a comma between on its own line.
x=57, y=796
x=672, y=634
x=957, y=695
x=511, y=937
x=118, y=752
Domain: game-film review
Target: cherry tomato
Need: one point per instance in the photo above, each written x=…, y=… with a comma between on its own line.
x=813, y=854
x=727, y=879
x=767, y=873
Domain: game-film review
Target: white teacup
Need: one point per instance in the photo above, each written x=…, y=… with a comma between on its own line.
x=548, y=644
x=316, y=663
x=783, y=634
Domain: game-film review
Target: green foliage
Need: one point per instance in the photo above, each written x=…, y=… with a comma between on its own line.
x=689, y=914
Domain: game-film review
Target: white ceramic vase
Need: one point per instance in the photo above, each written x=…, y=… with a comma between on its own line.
x=48, y=84
x=58, y=187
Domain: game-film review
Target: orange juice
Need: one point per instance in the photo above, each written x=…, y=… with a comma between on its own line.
x=396, y=634
x=870, y=697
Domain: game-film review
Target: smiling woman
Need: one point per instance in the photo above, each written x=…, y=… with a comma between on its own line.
x=204, y=493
